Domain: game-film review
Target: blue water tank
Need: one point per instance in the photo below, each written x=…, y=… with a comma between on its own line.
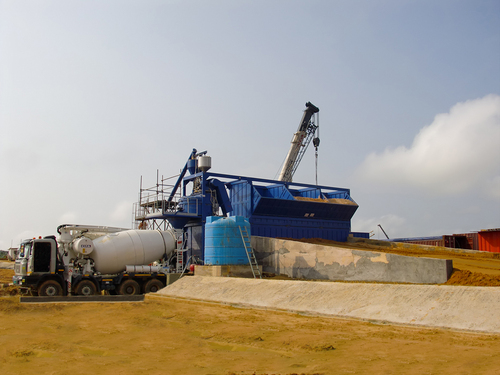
x=223, y=242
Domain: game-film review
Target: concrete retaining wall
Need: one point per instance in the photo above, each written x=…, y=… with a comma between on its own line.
x=308, y=261
x=225, y=271
x=454, y=307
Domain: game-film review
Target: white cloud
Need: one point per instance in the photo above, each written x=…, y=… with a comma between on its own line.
x=122, y=213
x=493, y=186
x=457, y=153
x=392, y=221
x=68, y=218
x=17, y=238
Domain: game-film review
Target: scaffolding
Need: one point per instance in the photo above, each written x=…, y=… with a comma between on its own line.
x=155, y=201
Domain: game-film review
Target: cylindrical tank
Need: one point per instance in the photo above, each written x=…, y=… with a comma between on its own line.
x=142, y=269
x=190, y=204
x=114, y=251
x=204, y=163
x=223, y=242
x=192, y=164
x=83, y=245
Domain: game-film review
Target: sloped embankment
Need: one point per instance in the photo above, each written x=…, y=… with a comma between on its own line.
x=439, y=306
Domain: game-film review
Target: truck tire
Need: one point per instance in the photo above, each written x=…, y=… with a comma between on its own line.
x=50, y=288
x=153, y=286
x=129, y=287
x=86, y=288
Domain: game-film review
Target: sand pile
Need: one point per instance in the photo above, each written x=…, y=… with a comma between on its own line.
x=466, y=277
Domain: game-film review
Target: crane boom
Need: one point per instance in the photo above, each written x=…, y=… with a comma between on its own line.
x=300, y=141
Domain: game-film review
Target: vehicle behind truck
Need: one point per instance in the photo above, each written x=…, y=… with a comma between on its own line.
x=87, y=260
x=12, y=254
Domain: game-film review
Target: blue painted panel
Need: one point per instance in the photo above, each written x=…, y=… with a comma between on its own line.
x=191, y=204
x=309, y=193
x=297, y=229
x=240, y=195
x=263, y=191
x=255, y=198
x=304, y=209
x=279, y=192
x=338, y=195
x=273, y=210
x=299, y=233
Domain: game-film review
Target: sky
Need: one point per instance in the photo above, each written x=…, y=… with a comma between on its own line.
x=96, y=94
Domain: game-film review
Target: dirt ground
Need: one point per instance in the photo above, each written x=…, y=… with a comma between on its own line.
x=169, y=336
x=173, y=336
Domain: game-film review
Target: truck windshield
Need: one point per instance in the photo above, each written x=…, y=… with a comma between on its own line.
x=24, y=250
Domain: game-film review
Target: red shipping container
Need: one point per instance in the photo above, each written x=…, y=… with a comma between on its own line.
x=466, y=241
x=489, y=240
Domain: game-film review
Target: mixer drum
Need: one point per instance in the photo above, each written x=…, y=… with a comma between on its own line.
x=114, y=251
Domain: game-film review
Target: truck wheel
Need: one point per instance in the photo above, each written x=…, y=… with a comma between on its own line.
x=129, y=287
x=86, y=288
x=153, y=286
x=50, y=288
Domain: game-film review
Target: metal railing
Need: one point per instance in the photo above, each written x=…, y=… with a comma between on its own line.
x=157, y=200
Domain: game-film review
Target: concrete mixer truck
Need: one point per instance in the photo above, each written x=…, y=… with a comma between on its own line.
x=86, y=260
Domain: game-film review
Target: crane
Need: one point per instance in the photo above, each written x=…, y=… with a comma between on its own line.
x=300, y=141
x=384, y=231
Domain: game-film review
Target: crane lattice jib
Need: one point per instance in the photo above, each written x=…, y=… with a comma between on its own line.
x=299, y=144
x=310, y=134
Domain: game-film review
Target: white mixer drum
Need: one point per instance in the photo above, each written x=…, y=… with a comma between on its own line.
x=114, y=251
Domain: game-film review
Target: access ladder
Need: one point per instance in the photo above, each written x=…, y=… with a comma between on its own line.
x=250, y=253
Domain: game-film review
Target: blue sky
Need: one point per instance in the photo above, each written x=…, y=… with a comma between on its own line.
x=94, y=94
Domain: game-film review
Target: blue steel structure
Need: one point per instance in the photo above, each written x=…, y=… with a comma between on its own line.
x=273, y=208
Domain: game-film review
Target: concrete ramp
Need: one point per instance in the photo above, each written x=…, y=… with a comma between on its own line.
x=453, y=307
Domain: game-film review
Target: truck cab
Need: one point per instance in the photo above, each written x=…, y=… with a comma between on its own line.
x=37, y=267
x=21, y=261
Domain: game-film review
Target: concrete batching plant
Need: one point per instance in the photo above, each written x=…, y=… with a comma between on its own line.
x=273, y=208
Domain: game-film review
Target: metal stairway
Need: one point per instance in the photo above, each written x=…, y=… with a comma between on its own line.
x=250, y=254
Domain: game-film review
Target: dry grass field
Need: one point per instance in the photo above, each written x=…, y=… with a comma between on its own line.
x=171, y=336
x=168, y=336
